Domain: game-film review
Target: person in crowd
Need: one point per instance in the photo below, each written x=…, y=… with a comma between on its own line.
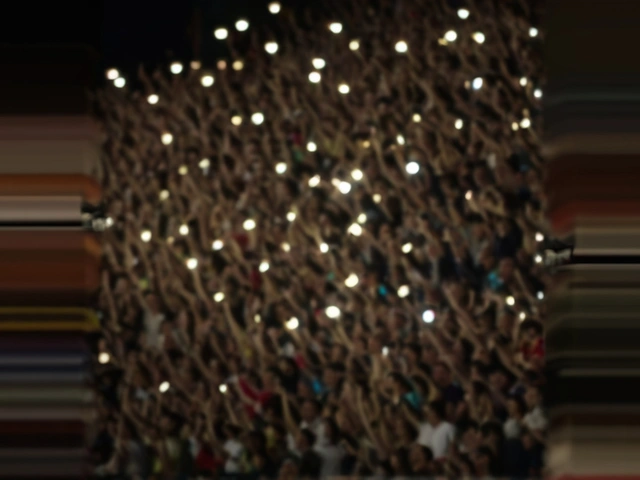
x=322, y=252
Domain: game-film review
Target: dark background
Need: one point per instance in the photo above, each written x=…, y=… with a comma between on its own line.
x=126, y=33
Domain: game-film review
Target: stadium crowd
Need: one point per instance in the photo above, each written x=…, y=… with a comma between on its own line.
x=322, y=258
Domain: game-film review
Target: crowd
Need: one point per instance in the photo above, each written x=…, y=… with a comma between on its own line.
x=322, y=258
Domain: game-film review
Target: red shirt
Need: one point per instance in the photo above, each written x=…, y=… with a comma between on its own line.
x=259, y=397
x=535, y=350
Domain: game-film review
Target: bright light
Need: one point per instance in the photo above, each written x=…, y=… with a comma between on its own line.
x=249, y=224
x=515, y=126
x=318, y=63
x=522, y=315
x=119, y=82
x=385, y=351
x=428, y=316
x=315, y=77
x=539, y=237
x=407, y=247
x=166, y=138
x=145, y=236
x=236, y=120
x=400, y=140
x=292, y=323
x=218, y=297
x=271, y=47
x=291, y=216
x=264, y=266
x=412, y=168
x=477, y=83
x=195, y=65
x=274, y=7
x=237, y=65
x=362, y=218
x=537, y=93
x=314, y=181
x=257, y=318
x=109, y=221
x=153, y=99
x=463, y=13
x=183, y=170
x=332, y=312
x=103, y=358
x=217, y=245
x=222, y=65
x=222, y=388
x=312, y=147
x=344, y=187
x=176, y=68
x=468, y=195
x=183, y=230
x=192, y=263
x=354, y=45
x=538, y=258
x=451, y=36
x=164, y=386
x=479, y=37
x=281, y=167
x=285, y=247
x=242, y=25
x=335, y=27
x=523, y=82
x=343, y=88
x=351, y=281
x=164, y=194
x=416, y=117
x=540, y=295
x=324, y=248
x=221, y=33
x=355, y=230
x=510, y=301
x=366, y=144
x=207, y=80
x=204, y=163
x=525, y=123
x=257, y=118
x=402, y=47
x=357, y=174
x=403, y=291
x=112, y=74
x=533, y=32
x=377, y=198
x=459, y=124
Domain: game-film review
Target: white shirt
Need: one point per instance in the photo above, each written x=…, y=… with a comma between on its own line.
x=437, y=438
x=332, y=456
x=317, y=427
x=234, y=449
x=152, y=324
x=535, y=419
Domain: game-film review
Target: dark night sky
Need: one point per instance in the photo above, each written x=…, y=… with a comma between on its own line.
x=127, y=32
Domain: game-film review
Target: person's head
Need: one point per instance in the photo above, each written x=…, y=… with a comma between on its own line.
x=289, y=470
x=333, y=374
x=516, y=406
x=442, y=375
x=306, y=440
x=152, y=302
x=436, y=412
x=468, y=434
x=499, y=380
x=506, y=269
x=400, y=462
x=412, y=353
x=271, y=378
x=532, y=397
x=527, y=438
x=420, y=458
x=482, y=460
x=405, y=430
x=331, y=431
x=492, y=434
x=310, y=410
x=401, y=385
